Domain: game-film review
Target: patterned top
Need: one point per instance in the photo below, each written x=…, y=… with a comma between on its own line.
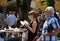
x=54, y=22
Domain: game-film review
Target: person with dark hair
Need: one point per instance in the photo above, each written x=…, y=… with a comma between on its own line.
x=2, y=17
x=18, y=21
x=2, y=20
x=13, y=37
x=32, y=28
x=11, y=19
x=58, y=15
x=39, y=11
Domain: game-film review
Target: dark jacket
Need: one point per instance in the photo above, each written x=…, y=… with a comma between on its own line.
x=13, y=39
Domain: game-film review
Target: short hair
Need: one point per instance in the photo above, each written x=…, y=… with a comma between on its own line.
x=50, y=9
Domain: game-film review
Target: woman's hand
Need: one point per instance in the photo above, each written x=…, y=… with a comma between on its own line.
x=33, y=28
x=39, y=39
x=27, y=25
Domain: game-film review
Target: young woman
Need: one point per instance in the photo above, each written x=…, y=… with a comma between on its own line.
x=32, y=28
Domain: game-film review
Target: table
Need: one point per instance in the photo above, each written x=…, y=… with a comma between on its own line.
x=9, y=31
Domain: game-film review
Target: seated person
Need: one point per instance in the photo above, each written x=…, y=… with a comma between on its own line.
x=13, y=37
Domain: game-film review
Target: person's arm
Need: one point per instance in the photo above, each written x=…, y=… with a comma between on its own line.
x=56, y=27
x=54, y=32
x=26, y=37
x=33, y=29
x=39, y=39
